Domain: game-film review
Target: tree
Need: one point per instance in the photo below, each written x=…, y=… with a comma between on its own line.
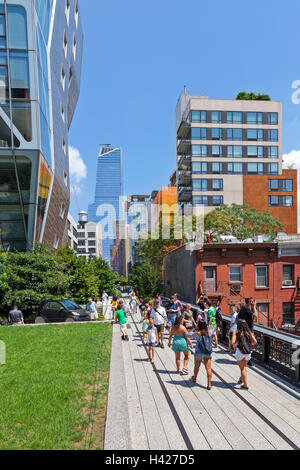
x=243, y=95
x=146, y=280
x=242, y=222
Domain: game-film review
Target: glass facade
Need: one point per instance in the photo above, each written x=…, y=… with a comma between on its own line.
x=109, y=189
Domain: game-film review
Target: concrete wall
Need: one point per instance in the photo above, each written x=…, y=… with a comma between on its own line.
x=179, y=274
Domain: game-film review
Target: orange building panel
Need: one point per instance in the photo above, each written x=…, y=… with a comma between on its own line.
x=256, y=194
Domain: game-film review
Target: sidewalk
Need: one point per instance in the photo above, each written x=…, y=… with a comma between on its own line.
x=142, y=416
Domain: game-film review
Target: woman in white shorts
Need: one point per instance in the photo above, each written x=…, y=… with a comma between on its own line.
x=244, y=340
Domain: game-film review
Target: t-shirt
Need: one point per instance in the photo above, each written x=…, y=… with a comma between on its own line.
x=104, y=296
x=152, y=334
x=158, y=315
x=15, y=316
x=233, y=328
x=92, y=308
x=173, y=306
x=211, y=313
x=120, y=316
x=188, y=315
x=246, y=314
x=145, y=326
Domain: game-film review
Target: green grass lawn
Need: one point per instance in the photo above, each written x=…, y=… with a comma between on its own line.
x=53, y=387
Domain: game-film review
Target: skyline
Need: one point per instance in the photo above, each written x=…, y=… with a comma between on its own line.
x=136, y=84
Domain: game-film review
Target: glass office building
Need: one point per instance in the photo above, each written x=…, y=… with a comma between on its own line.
x=108, y=205
x=40, y=68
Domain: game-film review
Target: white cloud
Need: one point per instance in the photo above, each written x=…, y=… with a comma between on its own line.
x=292, y=160
x=78, y=169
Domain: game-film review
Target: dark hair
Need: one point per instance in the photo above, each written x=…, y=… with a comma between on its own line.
x=243, y=333
x=201, y=325
x=208, y=302
x=115, y=297
x=248, y=300
x=178, y=321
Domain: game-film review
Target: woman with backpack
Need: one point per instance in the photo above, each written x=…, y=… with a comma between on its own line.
x=203, y=351
x=245, y=340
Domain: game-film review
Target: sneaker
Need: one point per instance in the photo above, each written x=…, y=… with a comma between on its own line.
x=250, y=363
x=162, y=346
x=158, y=345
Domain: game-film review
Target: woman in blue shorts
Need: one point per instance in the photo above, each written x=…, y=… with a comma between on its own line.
x=203, y=351
x=181, y=343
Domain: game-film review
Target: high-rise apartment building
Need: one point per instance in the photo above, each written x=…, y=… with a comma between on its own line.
x=226, y=147
x=40, y=49
x=89, y=238
x=108, y=205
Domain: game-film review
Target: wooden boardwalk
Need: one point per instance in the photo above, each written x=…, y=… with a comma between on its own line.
x=157, y=409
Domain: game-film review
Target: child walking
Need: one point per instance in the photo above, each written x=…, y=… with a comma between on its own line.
x=145, y=326
x=152, y=339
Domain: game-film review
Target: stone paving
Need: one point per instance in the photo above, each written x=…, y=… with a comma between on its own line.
x=140, y=417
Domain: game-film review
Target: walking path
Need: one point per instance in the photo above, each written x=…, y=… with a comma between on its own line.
x=155, y=408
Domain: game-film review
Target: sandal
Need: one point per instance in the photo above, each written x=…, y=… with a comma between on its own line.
x=193, y=379
x=208, y=387
x=185, y=371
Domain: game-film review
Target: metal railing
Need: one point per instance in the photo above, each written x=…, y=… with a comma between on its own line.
x=277, y=351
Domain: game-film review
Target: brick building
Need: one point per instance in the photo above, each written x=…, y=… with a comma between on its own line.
x=228, y=273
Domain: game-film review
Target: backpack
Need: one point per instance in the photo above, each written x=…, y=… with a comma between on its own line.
x=219, y=317
x=245, y=348
x=207, y=345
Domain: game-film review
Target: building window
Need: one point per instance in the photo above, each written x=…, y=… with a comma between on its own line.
x=288, y=314
x=273, y=152
x=216, y=116
x=273, y=185
x=65, y=44
x=216, y=133
x=81, y=235
x=76, y=14
x=287, y=201
x=235, y=273
x=288, y=275
x=92, y=243
x=199, y=168
x=74, y=47
x=217, y=200
x=262, y=276
x=273, y=118
x=256, y=168
x=263, y=309
x=217, y=151
x=62, y=211
x=62, y=112
x=235, y=151
x=235, y=168
x=255, y=134
x=254, y=118
x=253, y=151
x=68, y=10
x=234, y=117
x=287, y=185
x=217, y=167
x=92, y=251
x=234, y=134
x=200, y=200
x=199, y=116
x=199, y=133
x=199, y=150
x=200, y=185
x=91, y=234
x=273, y=135
x=81, y=242
x=65, y=178
x=63, y=78
x=64, y=147
x=273, y=168
x=273, y=200
x=56, y=242
x=217, y=185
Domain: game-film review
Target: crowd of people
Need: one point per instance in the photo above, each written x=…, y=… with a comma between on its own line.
x=191, y=332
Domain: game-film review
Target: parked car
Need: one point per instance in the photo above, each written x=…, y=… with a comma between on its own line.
x=59, y=311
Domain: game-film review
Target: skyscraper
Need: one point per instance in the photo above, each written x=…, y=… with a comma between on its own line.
x=108, y=205
x=230, y=152
x=40, y=69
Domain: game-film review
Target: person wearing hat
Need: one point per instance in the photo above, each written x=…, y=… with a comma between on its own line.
x=15, y=316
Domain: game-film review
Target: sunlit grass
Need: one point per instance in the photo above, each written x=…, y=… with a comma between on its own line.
x=48, y=385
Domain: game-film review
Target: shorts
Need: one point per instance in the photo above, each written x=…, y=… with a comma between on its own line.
x=171, y=319
x=213, y=329
x=160, y=328
x=200, y=356
x=152, y=345
x=123, y=327
x=93, y=315
x=240, y=356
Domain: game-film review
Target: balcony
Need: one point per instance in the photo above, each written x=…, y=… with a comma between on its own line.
x=184, y=129
x=185, y=193
x=184, y=178
x=184, y=162
x=183, y=146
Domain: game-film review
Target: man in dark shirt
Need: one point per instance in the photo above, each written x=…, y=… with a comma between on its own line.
x=15, y=316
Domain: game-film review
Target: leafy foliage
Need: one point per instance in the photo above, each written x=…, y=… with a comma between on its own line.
x=242, y=222
x=146, y=280
x=243, y=95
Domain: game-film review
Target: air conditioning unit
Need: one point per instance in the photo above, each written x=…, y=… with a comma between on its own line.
x=288, y=283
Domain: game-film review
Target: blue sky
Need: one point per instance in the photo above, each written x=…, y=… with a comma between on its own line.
x=139, y=54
